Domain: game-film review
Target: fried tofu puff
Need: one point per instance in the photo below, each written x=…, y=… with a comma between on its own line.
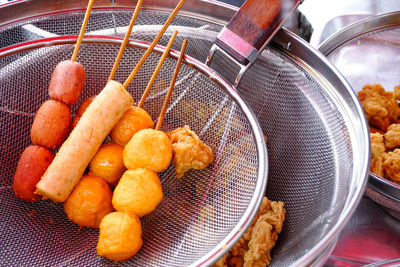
x=391, y=165
x=108, y=163
x=134, y=120
x=120, y=236
x=380, y=107
x=188, y=151
x=392, y=136
x=138, y=192
x=89, y=202
x=377, y=148
x=150, y=149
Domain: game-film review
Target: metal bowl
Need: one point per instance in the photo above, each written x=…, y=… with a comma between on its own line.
x=368, y=51
x=318, y=145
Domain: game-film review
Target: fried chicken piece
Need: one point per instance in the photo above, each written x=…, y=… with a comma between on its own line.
x=377, y=148
x=380, y=107
x=397, y=92
x=188, y=151
x=392, y=136
x=391, y=165
x=254, y=248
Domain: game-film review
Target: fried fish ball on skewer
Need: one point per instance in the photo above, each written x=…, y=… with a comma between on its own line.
x=82, y=144
x=138, y=192
x=108, y=164
x=136, y=118
x=150, y=148
x=89, y=202
x=120, y=236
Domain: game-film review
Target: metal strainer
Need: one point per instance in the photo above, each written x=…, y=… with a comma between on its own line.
x=317, y=136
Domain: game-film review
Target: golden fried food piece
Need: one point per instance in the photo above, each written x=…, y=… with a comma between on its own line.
x=391, y=165
x=150, y=149
x=376, y=166
x=31, y=166
x=138, y=192
x=120, y=236
x=377, y=148
x=134, y=120
x=188, y=151
x=392, y=136
x=254, y=248
x=380, y=107
x=89, y=202
x=108, y=163
x=397, y=92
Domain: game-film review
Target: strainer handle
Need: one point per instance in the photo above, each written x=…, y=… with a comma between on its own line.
x=251, y=29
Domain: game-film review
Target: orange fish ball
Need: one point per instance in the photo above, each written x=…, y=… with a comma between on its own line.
x=120, y=236
x=108, y=163
x=150, y=149
x=138, y=192
x=89, y=202
x=134, y=120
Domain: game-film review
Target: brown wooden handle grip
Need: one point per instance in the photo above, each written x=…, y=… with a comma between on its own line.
x=253, y=26
x=256, y=20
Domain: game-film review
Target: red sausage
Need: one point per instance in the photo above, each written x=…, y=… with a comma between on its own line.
x=67, y=82
x=31, y=167
x=51, y=124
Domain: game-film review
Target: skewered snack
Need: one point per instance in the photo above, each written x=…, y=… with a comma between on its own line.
x=83, y=142
x=31, y=166
x=120, y=236
x=254, y=248
x=150, y=148
x=138, y=192
x=89, y=202
x=188, y=151
x=134, y=120
x=108, y=163
x=67, y=82
x=51, y=124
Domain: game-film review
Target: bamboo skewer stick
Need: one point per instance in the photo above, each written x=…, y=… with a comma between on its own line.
x=157, y=70
x=153, y=44
x=126, y=38
x=171, y=85
x=82, y=32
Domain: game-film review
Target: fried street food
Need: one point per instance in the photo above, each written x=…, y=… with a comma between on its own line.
x=391, y=165
x=380, y=107
x=120, y=236
x=392, y=136
x=108, y=163
x=150, y=149
x=89, y=202
x=188, y=151
x=134, y=120
x=138, y=192
x=254, y=248
x=377, y=148
x=82, y=144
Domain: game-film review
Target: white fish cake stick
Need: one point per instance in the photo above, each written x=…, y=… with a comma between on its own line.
x=82, y=144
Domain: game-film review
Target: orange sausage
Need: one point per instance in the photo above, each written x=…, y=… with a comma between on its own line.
x=67, y=82
x=51, y=124
x=31, y=166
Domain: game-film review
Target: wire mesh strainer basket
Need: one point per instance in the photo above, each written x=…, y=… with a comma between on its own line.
x=317, y=136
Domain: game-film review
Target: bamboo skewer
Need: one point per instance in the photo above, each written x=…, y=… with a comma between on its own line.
x=82, y=32
x=153, y=44
x=171, y=85
x=157, y=70
x=126, y=38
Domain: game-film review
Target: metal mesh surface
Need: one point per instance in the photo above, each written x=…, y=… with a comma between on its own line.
x=310, y=158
